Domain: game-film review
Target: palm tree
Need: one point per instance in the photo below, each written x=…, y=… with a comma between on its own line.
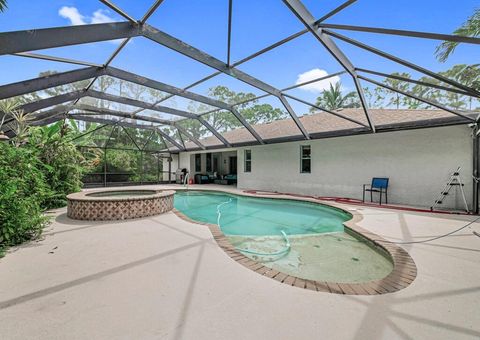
x=333, y=99
x=22, y=120
x=470, y=28
x=3, y=5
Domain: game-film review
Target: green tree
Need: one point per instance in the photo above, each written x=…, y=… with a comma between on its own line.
x=194, y=127
x=63, y=163
x=468, y=75
x=395, y=98
x=375, y=97
x=52, y=91
x=262, y=113
x=19, y=121
x=22, y=194
x=3, y=5
x=462, y=73
x=334, y=99
x=425, y=92
x=470, y=28
x=57, y=90
x=253, y=112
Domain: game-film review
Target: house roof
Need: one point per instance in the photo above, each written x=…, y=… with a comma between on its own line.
x=323, y=124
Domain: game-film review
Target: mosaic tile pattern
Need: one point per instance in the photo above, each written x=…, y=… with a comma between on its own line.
x=105, y=210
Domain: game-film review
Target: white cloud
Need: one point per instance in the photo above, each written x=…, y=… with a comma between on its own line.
x=100, y=17
x=318, y=86
x=76, y=18
x=72, y=14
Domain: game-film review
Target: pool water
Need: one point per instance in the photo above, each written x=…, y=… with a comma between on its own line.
x=320, y=248
x=259, y=216
x=122, y=193
x=337, y=257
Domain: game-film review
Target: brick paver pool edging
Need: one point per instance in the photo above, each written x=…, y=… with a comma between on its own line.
x=403, y=274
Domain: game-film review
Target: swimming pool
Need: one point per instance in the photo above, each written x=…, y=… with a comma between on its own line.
x=258, y=216
x=319, y=246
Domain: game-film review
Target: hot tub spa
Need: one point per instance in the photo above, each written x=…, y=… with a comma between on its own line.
x=107, y=205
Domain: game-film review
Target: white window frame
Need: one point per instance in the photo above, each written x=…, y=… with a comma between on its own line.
x=305, y=158
x=245, y=160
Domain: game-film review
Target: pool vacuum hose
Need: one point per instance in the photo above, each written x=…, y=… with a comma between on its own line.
x=280, y=252
x=283, y=251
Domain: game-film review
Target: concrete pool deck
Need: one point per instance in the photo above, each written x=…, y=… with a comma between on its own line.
x=162, y=277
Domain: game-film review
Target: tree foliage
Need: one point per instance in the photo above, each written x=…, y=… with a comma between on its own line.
x=3, y=5
x=23, y=191
x=253, y=111
x=63, y=164
x=380, y=97
x=35, y=174
x=470, y=28
x=334, y=99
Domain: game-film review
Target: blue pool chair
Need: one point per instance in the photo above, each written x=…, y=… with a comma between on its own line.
x=379, y=185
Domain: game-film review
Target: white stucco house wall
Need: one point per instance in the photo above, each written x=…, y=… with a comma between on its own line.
x=417, y=162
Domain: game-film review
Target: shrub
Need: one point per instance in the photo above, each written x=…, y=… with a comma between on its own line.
x=63, y=164
x=22, y=194
x=63, y=172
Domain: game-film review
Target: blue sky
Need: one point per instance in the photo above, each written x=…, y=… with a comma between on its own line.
x=256, y=24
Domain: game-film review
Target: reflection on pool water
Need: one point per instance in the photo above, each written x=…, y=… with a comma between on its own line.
x=320, y=247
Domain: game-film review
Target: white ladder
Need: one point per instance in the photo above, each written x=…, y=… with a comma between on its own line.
x=454, y=181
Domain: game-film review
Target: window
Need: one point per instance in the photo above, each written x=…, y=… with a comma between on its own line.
x=215, y=162
x=198, y=162
x=305, y=159
x=248, y=161
x=209, y=162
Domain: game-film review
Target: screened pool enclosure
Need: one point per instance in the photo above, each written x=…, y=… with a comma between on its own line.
x=122, y=108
